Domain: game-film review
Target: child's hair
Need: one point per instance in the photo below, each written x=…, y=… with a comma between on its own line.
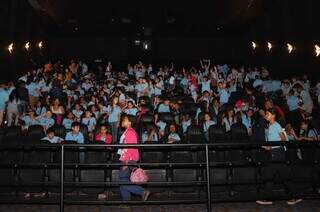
x=50, y=130
x=75, y=124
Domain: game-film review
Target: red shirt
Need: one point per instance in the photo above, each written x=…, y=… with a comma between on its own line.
x=107, y=139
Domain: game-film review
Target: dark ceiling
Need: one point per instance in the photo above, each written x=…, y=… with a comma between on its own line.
x=259, y=18
x=129, y=17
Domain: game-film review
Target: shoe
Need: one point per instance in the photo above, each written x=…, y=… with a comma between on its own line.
x=145, y=195
x=294, y=201
x=264, y=202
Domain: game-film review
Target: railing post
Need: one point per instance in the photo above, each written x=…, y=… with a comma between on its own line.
x=62, y=179
x=208, y=179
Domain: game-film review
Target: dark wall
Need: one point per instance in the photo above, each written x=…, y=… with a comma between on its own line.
x=89, y=48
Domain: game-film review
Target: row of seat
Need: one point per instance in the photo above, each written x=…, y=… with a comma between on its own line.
x=194, y=134
x=39, y=171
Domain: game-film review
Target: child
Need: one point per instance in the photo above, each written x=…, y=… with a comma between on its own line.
x=67, y=122
x=104, y=135
x=46, y=120
x=51, y=137
x=75, y=134
x=131, y=109
x=89, y=121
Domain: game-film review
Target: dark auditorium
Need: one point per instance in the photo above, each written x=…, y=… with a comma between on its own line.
x=159, y=106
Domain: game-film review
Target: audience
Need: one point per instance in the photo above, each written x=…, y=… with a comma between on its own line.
x=209, y=95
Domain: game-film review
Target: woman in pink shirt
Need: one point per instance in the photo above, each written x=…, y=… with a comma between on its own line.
x=129, y=156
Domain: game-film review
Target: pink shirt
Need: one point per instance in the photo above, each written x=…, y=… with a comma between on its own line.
x=130, y=137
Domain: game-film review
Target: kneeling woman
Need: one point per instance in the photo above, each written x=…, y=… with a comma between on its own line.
x=129, y=156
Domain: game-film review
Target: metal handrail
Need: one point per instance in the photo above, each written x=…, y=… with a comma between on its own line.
x=207, y=164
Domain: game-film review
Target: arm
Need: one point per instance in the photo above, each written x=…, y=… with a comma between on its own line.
x=202, y=66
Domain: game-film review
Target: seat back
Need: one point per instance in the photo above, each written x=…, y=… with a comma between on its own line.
x=195, y=134
x=35, y=133
x=217, y=134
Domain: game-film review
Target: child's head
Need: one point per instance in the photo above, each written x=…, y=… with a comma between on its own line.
x=130, y=104
x=172, y=128
x=88, y=114
x=50, y=133
x=75, y=127
x=207, y=117
x=48, y=114
x=104, y=128
x=70, y=115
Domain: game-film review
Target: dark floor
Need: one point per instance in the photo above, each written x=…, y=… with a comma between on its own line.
x=305, y=206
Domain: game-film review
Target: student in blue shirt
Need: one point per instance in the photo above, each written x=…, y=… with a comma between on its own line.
x=164, y=107
x=34, y=93
x=40, y=109
x=114, y=112
x=275, y=133
x=75, y=134
x=77, y=112
x=131, y=109
x=89, y=121
x=46, y=120
x=4, y=97
x=30, y=119
x=67, y=122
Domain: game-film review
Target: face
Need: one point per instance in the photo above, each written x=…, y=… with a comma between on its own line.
x=56, y=102
x=76, y=129
x=167, y=102
x=269, y=116
x=48, y=114
x=304, y=126
x=230, y=113
x=88, y=114
x=206, y=117
x=103, y=129
x=70, y=116
x=115, y=101
x=268, y=105
x=125, y=122
x=130, y=105
x=250, y=113
x=172, y=128
x=51, y=135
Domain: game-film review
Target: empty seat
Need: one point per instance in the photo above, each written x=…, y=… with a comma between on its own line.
x=94, y=176
x=115, y=179
x=195, y=134
x=35, y=133
x=34, y=172
x=217, y=134
x=246, y=176
x=188, y=100
x=184, y=176
x=70, y=173
x=220, y=180
x=7, y=179
x=84, y=130
x=147, y=118
x=156, y=175
x=153, y=156
x=59, y=131
x=239, y=133
x=167, y=117
x=181, y=157
x=12, y=135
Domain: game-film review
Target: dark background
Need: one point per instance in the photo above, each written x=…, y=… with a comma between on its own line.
x=177, y=31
